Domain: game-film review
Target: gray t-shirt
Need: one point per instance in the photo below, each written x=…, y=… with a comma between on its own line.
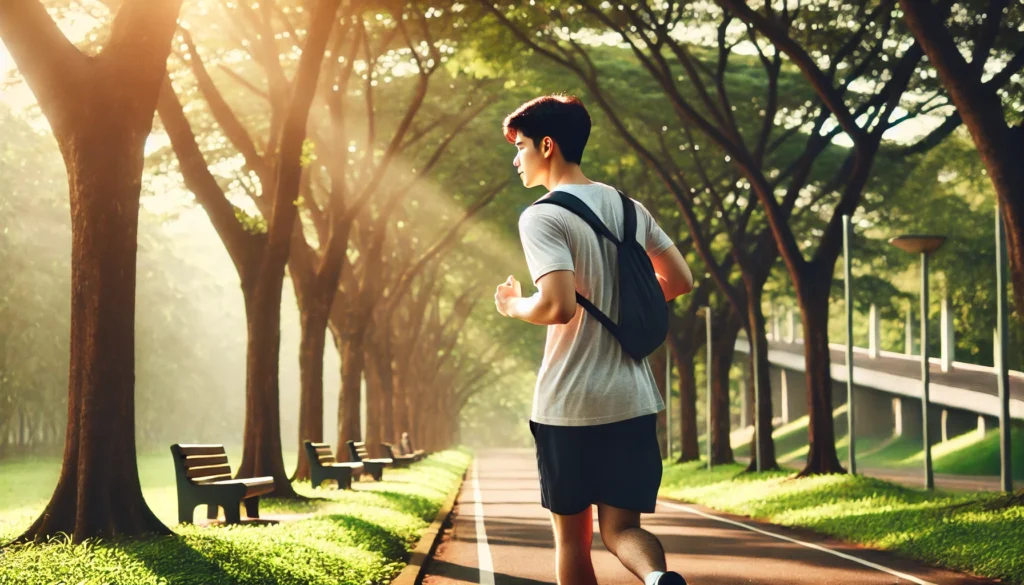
x=586, y=378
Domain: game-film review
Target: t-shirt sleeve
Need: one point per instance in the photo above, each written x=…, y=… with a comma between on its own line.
x=657, y=241
x=545, y=243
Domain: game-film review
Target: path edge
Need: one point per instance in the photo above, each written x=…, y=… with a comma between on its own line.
x=413, y=571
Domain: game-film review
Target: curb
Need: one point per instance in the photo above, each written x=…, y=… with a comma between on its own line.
x=413, y=571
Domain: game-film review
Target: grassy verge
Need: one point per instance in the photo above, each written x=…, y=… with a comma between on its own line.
x=967, y=454
x=352, y=536
x=963, y=531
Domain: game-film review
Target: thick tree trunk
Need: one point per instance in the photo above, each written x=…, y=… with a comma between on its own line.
x=822, y=456
x=400, y=403
x=262, y=449
x=349, y=425
x=311, y=391
x=762, y=407
x=379, y=359
x=98, y=493
x=723, y=346
x=101, y=111
x=690, y=449
x=374, y=427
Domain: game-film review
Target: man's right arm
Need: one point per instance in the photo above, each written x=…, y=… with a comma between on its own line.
x=673, y=273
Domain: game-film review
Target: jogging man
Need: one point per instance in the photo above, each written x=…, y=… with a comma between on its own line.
x=595, y=406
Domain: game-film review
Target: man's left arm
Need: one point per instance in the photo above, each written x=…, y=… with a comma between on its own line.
x=553, y=304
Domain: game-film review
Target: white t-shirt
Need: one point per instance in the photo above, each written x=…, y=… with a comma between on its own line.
x=586, y=378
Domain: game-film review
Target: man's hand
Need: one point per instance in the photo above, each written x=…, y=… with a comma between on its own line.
x=506, y=292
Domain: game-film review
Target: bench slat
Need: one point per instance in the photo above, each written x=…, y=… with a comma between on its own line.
x=248, y=481
x=188, y=450
x=212, y=479
x=205, y=460
x=324, y=451
x=323, y=459
x=198, y=472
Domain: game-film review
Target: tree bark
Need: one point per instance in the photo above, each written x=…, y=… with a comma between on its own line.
x=723, y=346
x=689, y=450
x=311, y=391
x=101, y=111
x=352, y=360
x=822, y=457
x=762, y=407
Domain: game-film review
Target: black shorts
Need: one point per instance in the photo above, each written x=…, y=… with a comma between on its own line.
x=618, y=464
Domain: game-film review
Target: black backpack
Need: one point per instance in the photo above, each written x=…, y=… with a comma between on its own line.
x=643, y=312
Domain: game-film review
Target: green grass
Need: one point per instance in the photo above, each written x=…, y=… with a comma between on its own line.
x=967, y=454
x=955, y=530
x=358, y=536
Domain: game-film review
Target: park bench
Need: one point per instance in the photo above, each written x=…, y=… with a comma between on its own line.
x=323, y=466
x=204, y=477
x=375, y=467
x=400, y=460
x=405, y=446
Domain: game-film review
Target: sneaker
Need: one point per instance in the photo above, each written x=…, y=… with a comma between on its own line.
x=671, y=578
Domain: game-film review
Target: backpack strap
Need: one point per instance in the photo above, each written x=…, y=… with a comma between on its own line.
x=582, y=210
x=629, y=213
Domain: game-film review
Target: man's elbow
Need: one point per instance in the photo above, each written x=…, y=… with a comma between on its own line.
x=564, y=313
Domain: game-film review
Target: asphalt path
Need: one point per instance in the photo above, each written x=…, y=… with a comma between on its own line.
x=500, y=535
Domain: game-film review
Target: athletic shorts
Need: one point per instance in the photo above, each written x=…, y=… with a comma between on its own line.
x=618, y=464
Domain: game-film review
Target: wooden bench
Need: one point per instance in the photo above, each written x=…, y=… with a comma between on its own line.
x=400, y=460
x=375, y=467
x=323, y=466
x=204, y=477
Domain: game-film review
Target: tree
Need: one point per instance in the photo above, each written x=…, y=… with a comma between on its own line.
x=259, y=256
x=979, y=104
x=101, y=110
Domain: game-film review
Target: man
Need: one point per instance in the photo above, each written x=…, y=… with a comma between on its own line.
x=595, y=406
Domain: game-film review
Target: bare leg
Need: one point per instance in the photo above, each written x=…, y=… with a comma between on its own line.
x=637, y=550
x=573, y=537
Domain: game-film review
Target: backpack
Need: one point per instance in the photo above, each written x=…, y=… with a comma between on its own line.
x=643, y=312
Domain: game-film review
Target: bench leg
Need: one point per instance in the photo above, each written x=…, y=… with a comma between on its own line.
x=231, y=514
x=378, y=474
x=185, y=512
x=252, y=507
x=211, y=512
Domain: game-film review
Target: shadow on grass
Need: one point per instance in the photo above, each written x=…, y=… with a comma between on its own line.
x=370, y=536
x=173, y=558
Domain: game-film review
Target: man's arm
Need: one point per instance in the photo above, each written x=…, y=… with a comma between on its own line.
x=673, y=273
x=553, y=304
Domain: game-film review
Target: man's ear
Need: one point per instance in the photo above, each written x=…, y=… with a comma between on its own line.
x=547, y=146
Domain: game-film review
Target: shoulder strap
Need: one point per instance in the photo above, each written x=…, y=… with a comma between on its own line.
x=629, y=213
x=573, y=204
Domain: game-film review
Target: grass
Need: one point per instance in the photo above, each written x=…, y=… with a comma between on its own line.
x=968, y=532
x=358, y=536
x=967, y=454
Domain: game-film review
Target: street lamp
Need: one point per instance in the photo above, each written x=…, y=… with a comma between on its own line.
x=706, y=311
x=923, y=245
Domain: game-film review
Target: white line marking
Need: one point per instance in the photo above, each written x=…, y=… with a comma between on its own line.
x=483, y=551
x=910, y=578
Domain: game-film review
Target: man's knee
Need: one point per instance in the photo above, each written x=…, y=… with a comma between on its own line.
x=613, y=522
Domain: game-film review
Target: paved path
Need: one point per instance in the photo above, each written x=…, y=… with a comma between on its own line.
x=502, y=536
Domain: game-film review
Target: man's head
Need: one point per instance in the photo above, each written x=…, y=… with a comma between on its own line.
x=551, y=129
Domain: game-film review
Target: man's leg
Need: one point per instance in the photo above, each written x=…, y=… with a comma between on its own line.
x=638, y=550
x=573, y=537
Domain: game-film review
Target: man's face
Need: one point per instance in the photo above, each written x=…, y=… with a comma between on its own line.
x=530, y=162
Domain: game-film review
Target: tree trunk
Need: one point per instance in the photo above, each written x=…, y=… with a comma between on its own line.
x=311, y=392
x=763, y=407
x=374, y=428
x=723, y=345
x=379, y=359
x=400, y=404
x=349, y=426
x=822, y=456
x=262, y=449
x=101, y=111
x=690, y=450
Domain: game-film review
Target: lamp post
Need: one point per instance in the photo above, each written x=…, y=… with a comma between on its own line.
x=1002, y=373
x=847, y=236
x=707, y=375
x=668, y=401
x=923, y=245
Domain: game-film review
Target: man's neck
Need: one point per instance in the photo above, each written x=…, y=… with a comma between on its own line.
x=567, y=174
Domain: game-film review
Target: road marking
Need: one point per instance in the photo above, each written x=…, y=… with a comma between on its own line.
x=898, y=574
x=483, y=551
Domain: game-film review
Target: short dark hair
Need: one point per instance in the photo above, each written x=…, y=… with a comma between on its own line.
x=562, y=117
